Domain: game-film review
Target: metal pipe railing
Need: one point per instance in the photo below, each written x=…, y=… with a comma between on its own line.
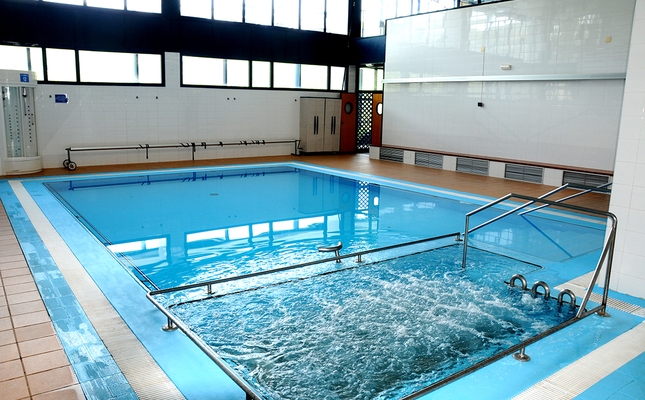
x=193, y=146
x=589, y=190
x=608, y=246
x=358, y=254
x=490, y=221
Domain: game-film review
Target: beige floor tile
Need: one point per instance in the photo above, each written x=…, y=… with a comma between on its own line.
x=7, y=337
x=6, y=260
x=44, y=362
x=15, y=272
x=11, y=370
x=23, y=297
x=5, y=324
x=19, y=288
x=36, y=331
x=13, y=264
x=53, y=379
x=38, y=346
x=28, y=307
x=33, y=318
x=14, y=389
x=9, y=352
x=69, y=393
x=4, y=310
x=10, y=251
x=17, y=280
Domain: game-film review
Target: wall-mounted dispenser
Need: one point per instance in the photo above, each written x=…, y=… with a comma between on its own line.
x=18, y=135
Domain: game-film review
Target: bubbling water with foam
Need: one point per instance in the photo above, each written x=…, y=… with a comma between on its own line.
x=379, y=331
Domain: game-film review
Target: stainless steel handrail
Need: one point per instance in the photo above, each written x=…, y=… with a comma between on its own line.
x=601, y=309
x=193, y=146
x=358, y=254
x=588, y=190
x=608, y=246
x=490, y=221
x=173, y=322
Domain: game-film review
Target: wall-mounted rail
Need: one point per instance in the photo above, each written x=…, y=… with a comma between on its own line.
x=193, y=146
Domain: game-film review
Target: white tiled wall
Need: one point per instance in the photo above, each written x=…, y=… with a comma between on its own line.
x=123, y=115
x=572, y=123
x=628, y=190
x=533, y=36
x=563, y=122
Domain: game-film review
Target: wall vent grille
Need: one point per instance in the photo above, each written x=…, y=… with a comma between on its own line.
x=584, y=179
x=472, y=166
x=429, y=160
x=526, y=173
x=389, y=154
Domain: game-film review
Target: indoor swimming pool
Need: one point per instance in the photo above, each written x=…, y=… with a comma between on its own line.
x=381, y=326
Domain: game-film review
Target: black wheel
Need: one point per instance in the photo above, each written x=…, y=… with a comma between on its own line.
x=71, y=166
x=66, y=163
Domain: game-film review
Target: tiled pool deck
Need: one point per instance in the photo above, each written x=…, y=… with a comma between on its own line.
x=44, y=354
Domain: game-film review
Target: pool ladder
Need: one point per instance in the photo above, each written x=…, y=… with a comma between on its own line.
x=546, y=293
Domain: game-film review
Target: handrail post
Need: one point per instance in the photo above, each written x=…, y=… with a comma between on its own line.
x=463, y=260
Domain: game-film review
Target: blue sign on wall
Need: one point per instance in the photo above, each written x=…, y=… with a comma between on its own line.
x=61, y=98
x=24, y=78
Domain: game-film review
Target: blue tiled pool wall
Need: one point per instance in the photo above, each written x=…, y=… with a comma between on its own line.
x=96, y=371
x=171, y=350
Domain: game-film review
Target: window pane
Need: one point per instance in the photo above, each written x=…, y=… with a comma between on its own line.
x=258, y=12
x=371, y=18
x=96, y=66
x=149, y=68
x=285, y=75
x=313, y=77
x=61, y=65
x=114, y=4
x=367, y=79
x=13, y=57
x=228, y=10
x=261, y=74
x=237, y=73
x=36, y=55
x=379, y=79
x=75, y=2
x=202, y=71
x=337, y=78
x=313, y=15
x=285, y=13
x=196, y=8
x=151, y=6
x=337, y=16
x=404, y=8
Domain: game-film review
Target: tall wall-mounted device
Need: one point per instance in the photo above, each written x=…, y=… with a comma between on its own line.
x=18, y=134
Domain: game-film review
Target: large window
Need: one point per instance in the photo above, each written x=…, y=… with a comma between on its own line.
x=151, y=6
x=227, y=10
x=61, y=65
x=104, y=67
x=22, y=58
x=370, y=79
x=315, y=15
x=203, y=71
x=374, y=13
x=214, y=72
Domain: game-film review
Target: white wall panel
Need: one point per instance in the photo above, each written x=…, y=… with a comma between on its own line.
x=550, y=112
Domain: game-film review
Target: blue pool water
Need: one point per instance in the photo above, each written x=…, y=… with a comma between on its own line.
x=379, y=331
x=180, y=228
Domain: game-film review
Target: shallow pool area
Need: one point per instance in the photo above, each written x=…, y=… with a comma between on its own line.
x=248, y=241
